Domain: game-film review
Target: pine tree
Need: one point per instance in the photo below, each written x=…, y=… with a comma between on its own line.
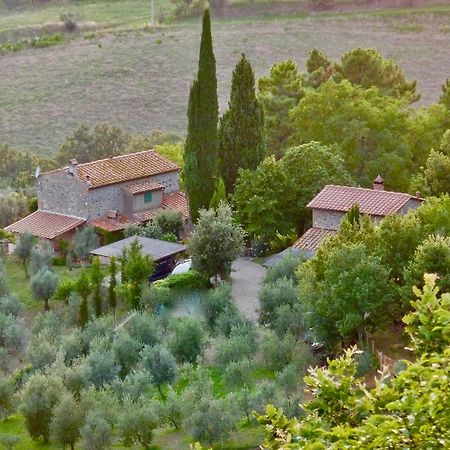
x=200, y=154
x=241, y=131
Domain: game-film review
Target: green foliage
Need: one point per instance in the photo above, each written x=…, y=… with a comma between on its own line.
x=278, y=352
x=143, y=328
x=220, y=194
x=103, y=368
x=216, y=242
x=279, y=93
x=83, y=288
x=136, y=424
x=282, y=292
x=96, y=433
x=434, y=179
x=405, y=411
x=96, y=276
x=10, y=305
x=112, y=295
x=200, y=152
x=126, y=351
x=84, y=241
x=136, y=269
x=444, y=99
x=273, y=198
x=24, y=245
x=241, y=128
x=171, y=151
x=216, y=303
x=160, y=363
x=68, y=417
x=367, y=68
x=432, y=256
x=170, y=221
x=285, y=268
x=86, y=144
x=9, y=441
x=319, y=68
x=346, y=292
x=43, y=285
x=188, y=343
x=13, y=206
x=237, y=374
x=38, y=399
x=235, y=348
x=189, y=280
x=40, y=258
x=7, y=390
x=368, y=128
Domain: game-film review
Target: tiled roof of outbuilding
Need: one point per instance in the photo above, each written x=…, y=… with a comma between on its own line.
x=45, y=224
x=312, y=238
x=176, y=200
x=370, y=201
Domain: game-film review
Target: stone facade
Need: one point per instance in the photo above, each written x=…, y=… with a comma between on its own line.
x=61, y=192
x=330, y=220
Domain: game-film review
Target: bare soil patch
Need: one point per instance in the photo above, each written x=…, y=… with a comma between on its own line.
x=141, y=81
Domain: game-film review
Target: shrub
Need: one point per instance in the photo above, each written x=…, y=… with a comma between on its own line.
x=278, y=353
x=170, y=221
x=103, y=368
x=229, y=319
x=144, y=329
x=96, y=433
x=188, y=280
x=40, y=258
x=189, y=340
x=12, y=332
x=47, y=322
x=7, y=389
x=216, y=303
x=70, y=21
x=160, y=363
x=42, y=351
x=9, y=441
x=157, y=294
x=237, y=374
x=234, y=349
x=289, y=319
x=282, y=292
x=10, y=305
x=367, y=362
x=285, y=268
x=136, y=384
x=126, y=351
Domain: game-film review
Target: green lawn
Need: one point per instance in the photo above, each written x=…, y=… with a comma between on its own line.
x=19, y=282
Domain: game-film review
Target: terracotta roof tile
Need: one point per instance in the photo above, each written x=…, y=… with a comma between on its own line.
x=45, y=224
x=312, y=238
x=111, y=225
x=370, y=201
x=176, y=200
x=143, y=186
x=119, y=169
x=145, y=216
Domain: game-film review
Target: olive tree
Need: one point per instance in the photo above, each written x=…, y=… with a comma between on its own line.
x=43, y=286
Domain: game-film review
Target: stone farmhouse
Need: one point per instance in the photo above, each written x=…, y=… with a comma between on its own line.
x=108, y=194
x=331, y=204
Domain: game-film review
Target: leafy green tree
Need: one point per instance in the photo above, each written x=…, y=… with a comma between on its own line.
x=216, y=242
x=68, y=417
x=160, y=363
x=286, y=267
x=38, y=399
x=40, y=258
x=188, y=342
x=366, y=67
x=7, y=390
x=137, y=423
x=241, y=129
x=257, y=198
x=216, y=302
x=170, y=221
x=126, y=351
x=135, y=271
x=220, y=194
x=43, y=286
x=319, y=68
x=86, y=144
x=96, y=433
x=346, y=294
x=24, y=246
x=112, y=295
x=10, y=305
x=83, y=288
x=96, y=276
x=237, y=374
x=434, y=179
x=201, y=151
x=432, y=256
x=84, y=241
x=234, y=349
x=173, y=409
x=369, y=130
x=282, y=292
x=279, y=92
x=144, y=329
x=13, y=206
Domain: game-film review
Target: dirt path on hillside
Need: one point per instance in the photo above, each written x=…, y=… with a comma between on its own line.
x=247, y=278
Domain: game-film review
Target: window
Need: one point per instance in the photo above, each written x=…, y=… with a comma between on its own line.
x=148, y=197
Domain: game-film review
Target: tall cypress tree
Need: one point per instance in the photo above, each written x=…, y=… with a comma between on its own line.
x=200, y=153
x=241, y=130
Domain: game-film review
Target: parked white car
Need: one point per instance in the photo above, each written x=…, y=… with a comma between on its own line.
x=182, y=267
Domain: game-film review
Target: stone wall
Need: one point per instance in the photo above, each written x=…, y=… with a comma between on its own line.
x=111, y=197
x=62, y=193
x=327, y=219
x=140, y=205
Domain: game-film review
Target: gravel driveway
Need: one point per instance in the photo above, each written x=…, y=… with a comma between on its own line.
x=247, y=277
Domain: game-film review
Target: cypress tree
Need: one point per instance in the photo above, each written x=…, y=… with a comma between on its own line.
x=200, y=153
x=112, y=296
x=241, y=130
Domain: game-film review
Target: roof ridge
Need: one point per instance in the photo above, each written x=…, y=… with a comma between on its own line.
x=118, y=157
x=60, y=214
x=369, y=190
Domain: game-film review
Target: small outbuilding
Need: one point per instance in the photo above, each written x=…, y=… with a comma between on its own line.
x=162, y=252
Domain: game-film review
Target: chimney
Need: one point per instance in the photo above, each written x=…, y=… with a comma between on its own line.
x=73, y=167
x=378, y=184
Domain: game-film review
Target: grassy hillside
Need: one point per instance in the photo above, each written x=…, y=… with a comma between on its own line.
x=140, y=80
